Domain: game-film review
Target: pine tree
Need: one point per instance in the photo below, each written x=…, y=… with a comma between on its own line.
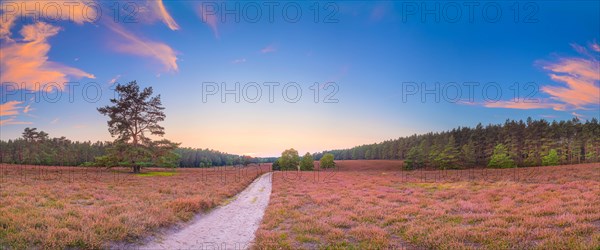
x=501, y=158
x=551, y=159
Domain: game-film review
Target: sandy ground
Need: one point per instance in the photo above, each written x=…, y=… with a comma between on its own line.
x=231, y=226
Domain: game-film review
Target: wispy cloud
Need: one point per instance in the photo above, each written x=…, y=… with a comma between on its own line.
x=115, y=79
x=524, y=105
x=55, y=121
x=27, y=109
x=209, y=18
x=579, y=116
x=239, y=60
x=268, y=49
x=580, y=77
x=79, y=10
x=595, y=47
x=27, y=61
x=6, y=23
x=13, y=121
x=132, y=44
x=10, y=108
x=580, y=83
x=164, y=15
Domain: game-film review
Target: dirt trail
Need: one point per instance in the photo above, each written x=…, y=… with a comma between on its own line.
x=231, y=226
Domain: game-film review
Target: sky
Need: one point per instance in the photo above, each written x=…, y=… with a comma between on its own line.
x=256, y=78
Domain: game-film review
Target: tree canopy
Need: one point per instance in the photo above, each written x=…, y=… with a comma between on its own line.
x=135, y=114
x=327, y=161
x=289, y=160
x=307, y=163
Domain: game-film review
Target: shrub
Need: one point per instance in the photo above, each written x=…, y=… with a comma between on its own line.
x=327, y=161
x=276, y=166
x=307, y=163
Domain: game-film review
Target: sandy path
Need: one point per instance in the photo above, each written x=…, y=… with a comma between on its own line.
x=227, y=227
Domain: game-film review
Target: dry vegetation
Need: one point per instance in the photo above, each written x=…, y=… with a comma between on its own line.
x=68, y=207
x=382, y=208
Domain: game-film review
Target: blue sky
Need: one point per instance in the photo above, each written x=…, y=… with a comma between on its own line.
x=372, y=53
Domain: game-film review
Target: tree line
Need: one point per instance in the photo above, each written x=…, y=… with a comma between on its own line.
x=38, y=148
x=133, y=114
x=514, y=143
x=201, y=158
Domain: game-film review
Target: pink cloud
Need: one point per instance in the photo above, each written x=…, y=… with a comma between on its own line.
x=115, y=79
x=524, y=105
x=134, y=45
x=268, y=49
x=580, y=78
x=78, y=11
x=579, y=116
x=6, y=23
x=580, y=89
x=10, y=108
x=27, y=109
x=209, y=18
x=27, y=61
x=13, y=121
x=595, y=47
x=164, y=15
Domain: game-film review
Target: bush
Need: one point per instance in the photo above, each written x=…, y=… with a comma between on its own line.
x=551, y=159
x=327, y=161
x=276, y=166
x=501, y=159
x=307, y=163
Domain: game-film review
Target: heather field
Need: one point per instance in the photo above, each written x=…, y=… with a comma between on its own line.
x=72, y=207
x=372, y=205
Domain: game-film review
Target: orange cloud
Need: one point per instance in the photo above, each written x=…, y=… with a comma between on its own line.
x=165, y=16
x=10, y=108
x=6, y=22
x=132, y=44
x=12, y=121
x=524, y=105
x=580, y=77
x=27, y=61
x=27, y=109
x=78, y=11
x=209, y=18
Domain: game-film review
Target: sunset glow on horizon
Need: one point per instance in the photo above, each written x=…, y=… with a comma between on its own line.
x=256, y=78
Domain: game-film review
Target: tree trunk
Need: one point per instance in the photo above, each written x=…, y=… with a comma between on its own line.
x=136, y=169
